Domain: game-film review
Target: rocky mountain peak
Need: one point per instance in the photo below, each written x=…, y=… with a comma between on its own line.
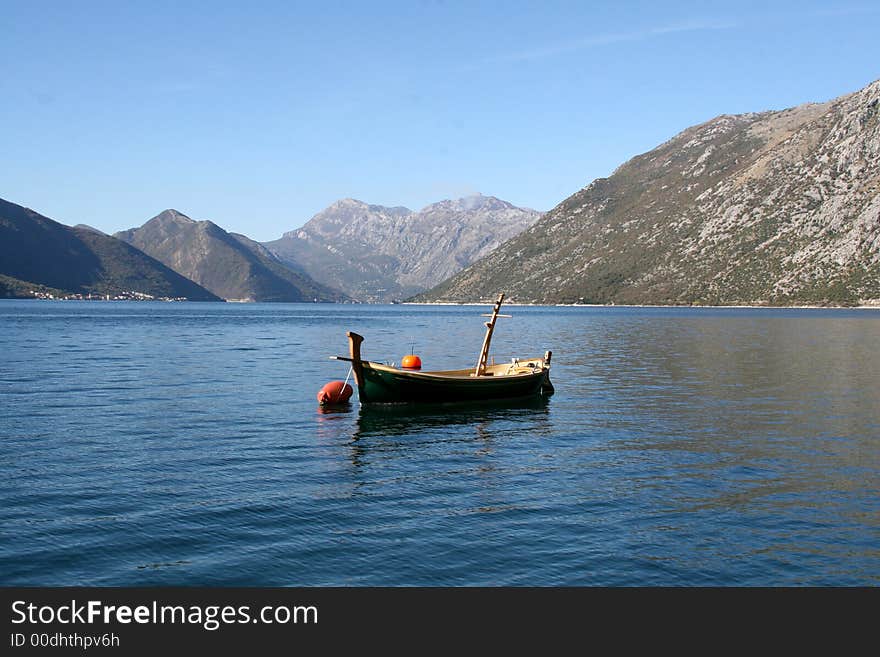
x=379, y=253
x=233, y=267
x=172, y=216
x=473, y=203
x=345, y=204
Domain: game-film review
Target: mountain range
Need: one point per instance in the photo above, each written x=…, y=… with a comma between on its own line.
x=778, y=207
x=231, y=266
x=40, y=255
x=379, y=254
x=371, y=252
x=768, y=208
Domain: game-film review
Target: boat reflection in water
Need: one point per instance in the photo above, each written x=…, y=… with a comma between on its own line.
x=388, y=420
x=400, y=433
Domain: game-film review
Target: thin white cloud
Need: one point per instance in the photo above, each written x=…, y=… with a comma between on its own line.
x=608, y=39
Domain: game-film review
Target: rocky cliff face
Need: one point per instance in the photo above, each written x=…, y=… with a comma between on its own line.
x=769, y=208
x=232, y=267
x=376, y=253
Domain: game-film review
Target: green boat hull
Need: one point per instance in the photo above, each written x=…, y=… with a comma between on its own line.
x=388, y=386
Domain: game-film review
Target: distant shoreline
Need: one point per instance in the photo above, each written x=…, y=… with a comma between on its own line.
x=463, y=303
x=627, y=305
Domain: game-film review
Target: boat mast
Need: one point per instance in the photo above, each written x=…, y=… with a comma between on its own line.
x=490, y=326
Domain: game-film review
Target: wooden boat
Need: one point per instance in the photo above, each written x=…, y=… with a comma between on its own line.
x=384, y=384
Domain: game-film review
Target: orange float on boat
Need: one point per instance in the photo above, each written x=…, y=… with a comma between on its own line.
x=335, y=392
x=411, y=362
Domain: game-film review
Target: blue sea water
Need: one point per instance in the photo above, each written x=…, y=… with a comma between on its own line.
x=182, y=444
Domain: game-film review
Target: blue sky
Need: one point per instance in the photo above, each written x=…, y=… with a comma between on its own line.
x=258, y=115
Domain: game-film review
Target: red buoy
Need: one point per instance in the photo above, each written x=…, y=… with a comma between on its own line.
x=335, y=392
x=411, y=362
